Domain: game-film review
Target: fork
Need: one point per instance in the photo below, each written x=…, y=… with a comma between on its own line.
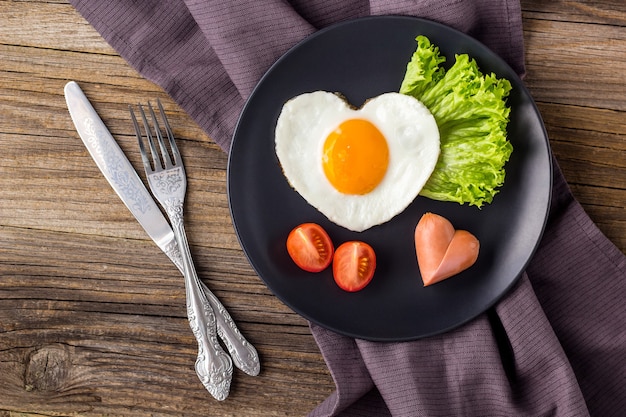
x=243, y=353
x=168, y=182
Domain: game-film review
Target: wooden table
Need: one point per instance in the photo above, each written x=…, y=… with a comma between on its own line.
x=92, y=317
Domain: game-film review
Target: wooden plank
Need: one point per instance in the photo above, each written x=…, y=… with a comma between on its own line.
x=576, y=61
x=48, y=25
x=606, y=12
x=583, y=70
x=121, y=338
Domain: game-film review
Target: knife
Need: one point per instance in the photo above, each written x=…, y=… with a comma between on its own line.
x=121, y=175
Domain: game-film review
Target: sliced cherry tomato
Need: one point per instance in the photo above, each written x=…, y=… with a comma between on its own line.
x=310, y=247
x=354, y=265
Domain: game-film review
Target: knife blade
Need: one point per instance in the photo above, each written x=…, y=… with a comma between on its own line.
x=127, y=184
x=117, y=169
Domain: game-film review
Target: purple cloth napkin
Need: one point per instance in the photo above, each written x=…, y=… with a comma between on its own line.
x=555, y=345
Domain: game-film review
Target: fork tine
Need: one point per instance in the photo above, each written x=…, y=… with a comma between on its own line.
x=170, y=135
x=158, y=166
x=142, y=149
x=157, y=131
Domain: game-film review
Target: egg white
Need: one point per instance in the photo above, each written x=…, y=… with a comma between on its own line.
x=412, y=137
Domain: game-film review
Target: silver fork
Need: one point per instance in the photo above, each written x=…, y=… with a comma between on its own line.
x=242, y=352
x=168, y=183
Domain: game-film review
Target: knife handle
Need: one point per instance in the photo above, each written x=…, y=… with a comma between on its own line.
x=243, y=354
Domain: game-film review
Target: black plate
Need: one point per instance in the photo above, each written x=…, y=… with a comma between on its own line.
x=361, y=59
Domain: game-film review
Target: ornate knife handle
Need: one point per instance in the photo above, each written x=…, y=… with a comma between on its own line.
x=244, y=355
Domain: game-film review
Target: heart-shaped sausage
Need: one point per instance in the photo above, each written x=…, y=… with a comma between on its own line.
x=441, y=250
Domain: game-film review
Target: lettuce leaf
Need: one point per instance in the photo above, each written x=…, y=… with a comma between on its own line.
x=472, y=115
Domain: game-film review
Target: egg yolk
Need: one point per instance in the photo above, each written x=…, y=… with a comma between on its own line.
x=355, y=157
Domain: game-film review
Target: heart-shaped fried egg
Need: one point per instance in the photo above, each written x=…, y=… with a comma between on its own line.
x=362, y=167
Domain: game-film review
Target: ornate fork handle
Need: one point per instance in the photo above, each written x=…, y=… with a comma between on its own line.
x=243, y=353
x=213, y=366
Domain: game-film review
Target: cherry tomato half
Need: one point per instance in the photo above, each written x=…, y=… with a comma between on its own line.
x=354, y=265
x=310, y=247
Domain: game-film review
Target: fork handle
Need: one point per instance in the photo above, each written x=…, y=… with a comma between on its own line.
x=242, y=352
x=213, y=366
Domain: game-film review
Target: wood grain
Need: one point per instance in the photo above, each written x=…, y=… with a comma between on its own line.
x=92, y=315
x=576, y=72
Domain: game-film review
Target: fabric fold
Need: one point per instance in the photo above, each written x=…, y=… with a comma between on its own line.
x=505, y=362
x=353, y=381
x=579, y=277
x=554, y=345
x=247, y=37
x=209, y=54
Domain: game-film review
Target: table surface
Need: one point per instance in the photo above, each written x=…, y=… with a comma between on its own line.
x=92, y=316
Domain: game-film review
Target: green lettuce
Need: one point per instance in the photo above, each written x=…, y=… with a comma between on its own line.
x=472, y=115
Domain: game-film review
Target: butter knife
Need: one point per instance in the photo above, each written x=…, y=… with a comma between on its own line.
x=121, y=175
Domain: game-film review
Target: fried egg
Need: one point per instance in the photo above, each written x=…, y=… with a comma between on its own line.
x=358, y=167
